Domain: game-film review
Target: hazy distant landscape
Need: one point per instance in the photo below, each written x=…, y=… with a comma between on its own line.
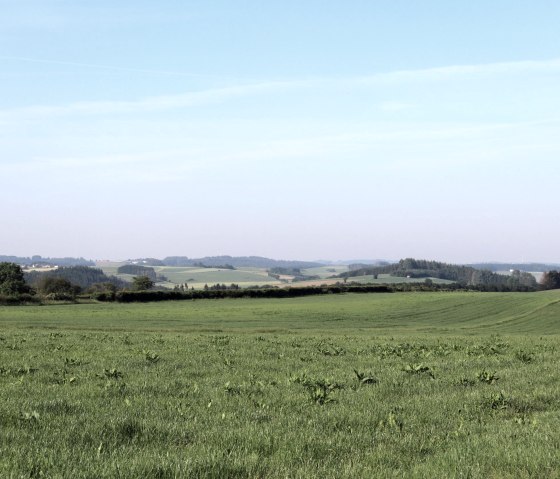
x=246, y=272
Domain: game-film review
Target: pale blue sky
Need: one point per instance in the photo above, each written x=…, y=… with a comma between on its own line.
x=314, y=129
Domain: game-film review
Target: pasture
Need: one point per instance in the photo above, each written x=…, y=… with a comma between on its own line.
x=370, y=279
x=360, y=385
x=197, y=277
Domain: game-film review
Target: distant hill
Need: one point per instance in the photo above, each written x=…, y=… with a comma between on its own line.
x=82, y=276
x=355, y=266
x=363, y=262
x=36, y=259
x=529, y=267
x=137, y=270
x=238, y=262
x=463, y=275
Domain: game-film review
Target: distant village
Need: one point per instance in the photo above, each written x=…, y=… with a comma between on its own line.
x=39, y=267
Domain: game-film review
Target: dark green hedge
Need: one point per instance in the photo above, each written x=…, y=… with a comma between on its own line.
x=146, y=296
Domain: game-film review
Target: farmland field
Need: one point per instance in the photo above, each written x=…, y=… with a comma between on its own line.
x=244, y=277
x=370, y=279
x=197, y=277
x=358, y=385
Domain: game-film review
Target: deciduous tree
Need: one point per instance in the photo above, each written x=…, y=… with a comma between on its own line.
x=12, y=282
x=142, y=283
x=551, y=280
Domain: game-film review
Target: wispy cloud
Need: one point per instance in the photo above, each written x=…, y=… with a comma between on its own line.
x=149, y=104
x=369, y=144
x=217, y=95
x=458, y=71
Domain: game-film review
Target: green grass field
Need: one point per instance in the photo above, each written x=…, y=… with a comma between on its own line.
x=244, y=277
x=325, y=271
x=388, y=279
x=359, y=385
x=198, y=277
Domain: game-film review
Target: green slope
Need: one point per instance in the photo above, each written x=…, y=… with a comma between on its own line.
x=397, y=313
x=198, y=277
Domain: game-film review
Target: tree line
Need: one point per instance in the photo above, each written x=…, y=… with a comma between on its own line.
x=137, y=270
x=465, y=276
x=81, y=276
x=61, y=284
x=39, y=260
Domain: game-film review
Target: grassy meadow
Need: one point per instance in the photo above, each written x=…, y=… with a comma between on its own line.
x=197, y=277
x=359, y=385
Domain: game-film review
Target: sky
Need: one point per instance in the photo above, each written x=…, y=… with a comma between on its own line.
x=288, y=129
